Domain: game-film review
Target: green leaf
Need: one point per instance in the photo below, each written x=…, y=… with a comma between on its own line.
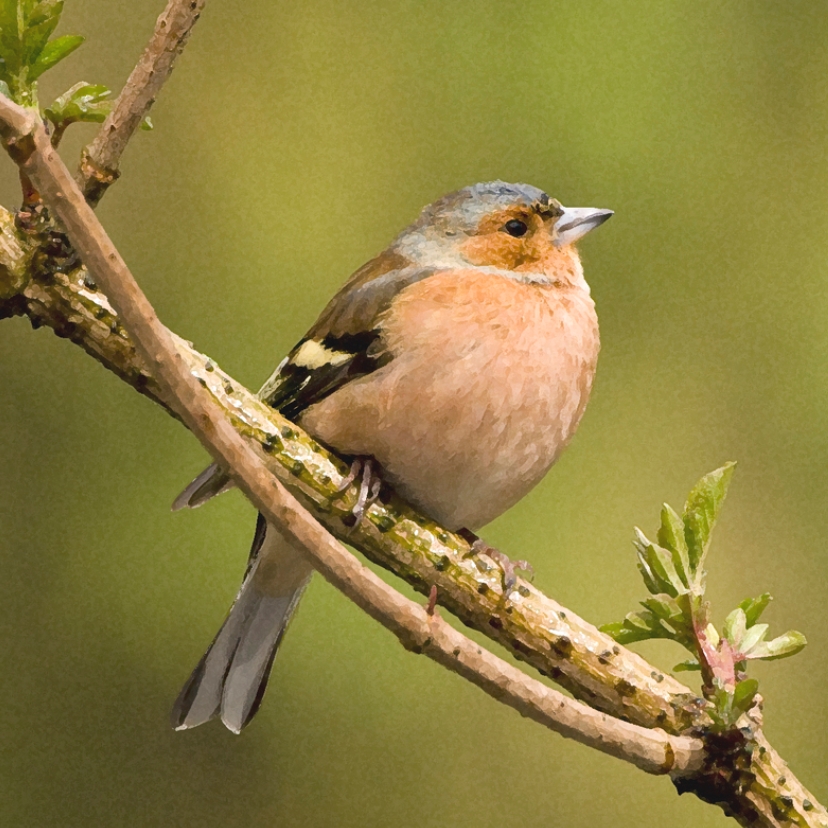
x=656, y=567
x=785, y=645
x=613, y=629
x=744, y=694
x=647, y=574
x=25, y=50
x=662, y=606
x=701, y=511
x=662, y=617
x=10, y=43
x=734, y=628
x=752, y=637
x=54, y=52
x=36, y=12
x=6, y=69
x=662, y=627
x=640, y=621
x=625, y=633
x=40, y=25
x=83, y=102
x=687, y=666
x=8, y=15
x=637, y=626
x=669, y=614
x=754, y=607
x=723, y=703
x=4, y=89
x=671, y=537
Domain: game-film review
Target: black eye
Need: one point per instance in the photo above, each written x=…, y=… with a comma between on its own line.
x=516, y=228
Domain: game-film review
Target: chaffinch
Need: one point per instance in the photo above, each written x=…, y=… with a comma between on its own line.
x=460, y=360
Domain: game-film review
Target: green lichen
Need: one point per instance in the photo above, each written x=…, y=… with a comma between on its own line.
x=15, y=259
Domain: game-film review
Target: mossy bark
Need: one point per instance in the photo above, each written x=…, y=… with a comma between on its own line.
x=532, y=626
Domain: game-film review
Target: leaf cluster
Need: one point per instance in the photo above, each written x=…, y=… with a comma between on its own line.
x=673, y=570
x=26, y=51
x=749, y=638
x=84, y=102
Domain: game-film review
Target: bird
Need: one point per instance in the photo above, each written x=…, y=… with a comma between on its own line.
x=458, y=361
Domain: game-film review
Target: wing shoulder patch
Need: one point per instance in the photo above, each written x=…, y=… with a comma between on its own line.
x=317, y=368
x=345, y=343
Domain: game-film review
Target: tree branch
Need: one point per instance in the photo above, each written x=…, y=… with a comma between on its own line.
x=99, y=160
x=654, y=751
x=530, y=624
x=744, y=775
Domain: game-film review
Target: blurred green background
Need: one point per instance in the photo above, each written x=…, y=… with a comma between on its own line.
x=291, y=144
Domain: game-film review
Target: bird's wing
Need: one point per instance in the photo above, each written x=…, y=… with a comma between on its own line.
x=346, y=341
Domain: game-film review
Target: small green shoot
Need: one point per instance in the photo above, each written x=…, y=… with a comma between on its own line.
x=83, y=103
x=26, y=51
x=673, y=572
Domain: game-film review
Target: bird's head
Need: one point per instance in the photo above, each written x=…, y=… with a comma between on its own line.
x=516, y=229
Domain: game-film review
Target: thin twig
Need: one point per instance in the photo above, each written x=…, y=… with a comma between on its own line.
x=99, y=160
x=431, y=606
x=652, y=750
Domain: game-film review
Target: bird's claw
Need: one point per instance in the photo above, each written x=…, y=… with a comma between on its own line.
x=369, y=486
x=356, y=467
x=509, y=567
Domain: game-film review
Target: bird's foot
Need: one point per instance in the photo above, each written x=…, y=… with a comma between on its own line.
x=509, y=567
x=369, y=486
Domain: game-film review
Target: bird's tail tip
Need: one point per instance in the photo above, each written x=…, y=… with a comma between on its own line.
x=211, y=482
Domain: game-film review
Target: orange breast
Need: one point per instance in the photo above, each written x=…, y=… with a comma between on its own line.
x=489, y=380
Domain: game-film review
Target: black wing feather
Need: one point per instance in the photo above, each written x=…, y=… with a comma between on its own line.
x=296, y=387
x=349, y=331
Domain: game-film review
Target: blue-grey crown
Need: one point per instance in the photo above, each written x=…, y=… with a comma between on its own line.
x=497, y=193
x=463, y=209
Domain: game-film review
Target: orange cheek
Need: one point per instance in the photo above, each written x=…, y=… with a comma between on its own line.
x=494, y=250
x=535, y=254
x=554, y=261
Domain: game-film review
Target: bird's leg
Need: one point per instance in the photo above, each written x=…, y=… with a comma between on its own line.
x=508, y=566
x=369, y=485
x=356, y=467
x=366, y=485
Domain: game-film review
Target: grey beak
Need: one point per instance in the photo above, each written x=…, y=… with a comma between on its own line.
x=576, y=222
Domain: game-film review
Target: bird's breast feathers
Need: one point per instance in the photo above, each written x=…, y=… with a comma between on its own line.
x=485, y=383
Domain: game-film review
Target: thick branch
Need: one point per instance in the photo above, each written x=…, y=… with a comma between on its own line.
x=654, y=751
x=531, y=624
x=99, y=161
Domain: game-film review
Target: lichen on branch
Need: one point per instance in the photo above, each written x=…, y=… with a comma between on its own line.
x=41, y=278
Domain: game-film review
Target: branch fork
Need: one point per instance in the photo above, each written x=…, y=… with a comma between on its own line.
x=264, y=453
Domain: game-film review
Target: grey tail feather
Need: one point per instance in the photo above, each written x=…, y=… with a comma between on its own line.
x=211, y=482
x=231, y=677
